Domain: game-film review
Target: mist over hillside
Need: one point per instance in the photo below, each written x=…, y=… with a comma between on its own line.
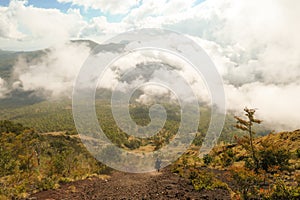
x=30, y=77
x=202, y=94
x=254, y=45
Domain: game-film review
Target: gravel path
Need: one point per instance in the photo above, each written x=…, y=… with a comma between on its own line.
x=162, y=185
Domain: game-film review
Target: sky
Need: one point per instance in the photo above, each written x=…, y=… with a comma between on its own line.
x=29, y=24
x=255, y=44
x=86, y=11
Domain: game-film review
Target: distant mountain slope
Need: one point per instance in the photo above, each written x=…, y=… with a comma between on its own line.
x=89, y=43
x=9, y=58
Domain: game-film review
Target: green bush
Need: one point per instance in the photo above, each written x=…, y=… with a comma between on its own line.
x=272, y=157
x=46, y=184
x=246, y=182
x=227, y=158
x=202, y=180
x=29, y=161
x=207, y=159
x=10, y=127
x=298, y=153
x=281, y=191
x=133, y=144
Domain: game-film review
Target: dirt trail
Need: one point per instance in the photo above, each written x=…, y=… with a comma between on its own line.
x=162, y=185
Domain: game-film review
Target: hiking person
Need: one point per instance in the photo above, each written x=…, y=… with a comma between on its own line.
x=157, y=164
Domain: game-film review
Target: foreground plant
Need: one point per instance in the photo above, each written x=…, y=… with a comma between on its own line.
x=247, y=125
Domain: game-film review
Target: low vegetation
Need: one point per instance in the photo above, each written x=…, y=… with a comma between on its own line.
x=261, y=168
x=30, y=162
x=51, y=153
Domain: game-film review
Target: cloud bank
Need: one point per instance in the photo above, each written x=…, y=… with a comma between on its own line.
x=254, y=44
x=54, y=72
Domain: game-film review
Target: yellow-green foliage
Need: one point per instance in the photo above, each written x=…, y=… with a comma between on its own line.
x=273, y=150
x=31, y=161
x=246, y=181
x=203, y=180
x=187, y=166
x=280, y=191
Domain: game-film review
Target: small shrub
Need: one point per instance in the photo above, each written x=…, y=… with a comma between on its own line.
x=9, y=126
x=207, y=159
x=249, y=164
x=220, y=185
x=246, y=181
x=271, y=156
x=46, y=183
x=133, y=144
x=202, y=180
x=193, y=175
x=227, y=158
x=64, y=180
x=298, y=153
x=282, y=192
x=176, y=169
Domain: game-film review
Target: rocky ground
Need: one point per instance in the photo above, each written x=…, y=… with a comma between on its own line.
x=155, y=185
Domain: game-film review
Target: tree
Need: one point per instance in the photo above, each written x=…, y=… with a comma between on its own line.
x=246, y=125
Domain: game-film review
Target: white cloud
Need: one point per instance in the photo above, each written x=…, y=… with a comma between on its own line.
x=106, y=6
x=278, y=105
x=172, y=70
x=99, y=26
x=8, y=24
x=55, y=72
x=153, y=14
x=256, y=48
x=32, y=28
x=254, y=44
x=3, y=88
